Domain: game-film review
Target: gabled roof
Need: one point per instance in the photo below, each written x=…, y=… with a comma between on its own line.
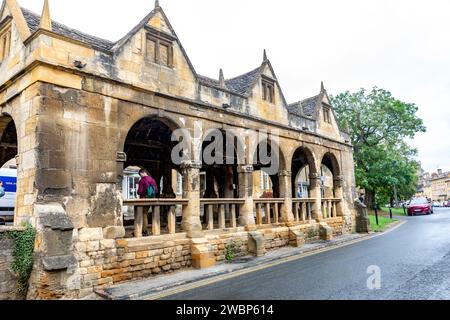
x=310, y=105
x=144, y=22
x=244, y=83
x=305, y=108
x=34, y=19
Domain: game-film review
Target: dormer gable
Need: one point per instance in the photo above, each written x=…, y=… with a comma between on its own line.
x=5, y=38
x=327, y=123
x=12, y=9
x=160, y=39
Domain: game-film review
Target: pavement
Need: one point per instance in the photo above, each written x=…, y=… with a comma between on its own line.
x=410, y=263
x=189, y=282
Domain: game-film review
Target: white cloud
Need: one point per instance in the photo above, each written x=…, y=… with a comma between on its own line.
x=401, y=46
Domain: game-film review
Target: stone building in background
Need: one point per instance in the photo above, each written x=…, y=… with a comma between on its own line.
x=440, y=186
x=80, y=113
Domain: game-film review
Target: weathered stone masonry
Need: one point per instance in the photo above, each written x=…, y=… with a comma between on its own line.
x=77, y=110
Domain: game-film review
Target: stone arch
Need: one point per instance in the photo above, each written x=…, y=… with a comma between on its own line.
x=221, y=180
x=275, y=152
x=330, y=160
x=148, y=144
x=239, y=144
x=330, y=172
x=303, y=164
x=275, y=146
x=8, y=139
x=172, y=122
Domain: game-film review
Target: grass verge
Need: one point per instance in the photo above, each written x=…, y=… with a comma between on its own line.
x=383, y=223
x=395, y=211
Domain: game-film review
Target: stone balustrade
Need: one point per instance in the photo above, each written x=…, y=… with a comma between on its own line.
x=302, y=209
x=226, y=209
x=143, y=206
x=329, y=207
x=271, y=209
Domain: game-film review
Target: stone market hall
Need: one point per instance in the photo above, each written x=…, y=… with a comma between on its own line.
x=81, y=115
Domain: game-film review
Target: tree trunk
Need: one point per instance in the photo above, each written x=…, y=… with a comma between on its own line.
x=396, y=197
x=370, y=198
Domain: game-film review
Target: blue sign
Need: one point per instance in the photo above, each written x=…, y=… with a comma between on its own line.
x=9, y=183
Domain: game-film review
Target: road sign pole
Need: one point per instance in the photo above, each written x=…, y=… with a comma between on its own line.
x=390, y=212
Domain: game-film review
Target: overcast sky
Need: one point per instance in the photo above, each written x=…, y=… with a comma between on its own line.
x=402, y=46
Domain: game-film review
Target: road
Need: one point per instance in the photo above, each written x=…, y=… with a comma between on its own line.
x=414, y=261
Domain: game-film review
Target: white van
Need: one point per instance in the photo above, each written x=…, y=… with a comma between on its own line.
x=8, y=201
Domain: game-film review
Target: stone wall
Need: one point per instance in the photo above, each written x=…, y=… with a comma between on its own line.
x=8, y=284
x=276, y=237
x=220, y=242
x=337, y=224
x=104, y=262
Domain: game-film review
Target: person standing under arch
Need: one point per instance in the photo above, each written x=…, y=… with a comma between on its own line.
x=148, y=189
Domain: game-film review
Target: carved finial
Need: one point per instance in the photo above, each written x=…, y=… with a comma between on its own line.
x=265, y=55
x=157, y=4
x=46, y=21
x=221, y=78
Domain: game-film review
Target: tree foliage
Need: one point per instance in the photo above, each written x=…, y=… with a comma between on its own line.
x=378, y=123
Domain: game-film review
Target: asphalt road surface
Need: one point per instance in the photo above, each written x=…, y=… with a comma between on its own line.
x=413, y=261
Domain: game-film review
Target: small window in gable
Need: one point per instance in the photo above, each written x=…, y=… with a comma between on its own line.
x=160, y=50
x=327, y=114
x=5, y=43
x=151, y=50
x=164, y=54
x=268, y=88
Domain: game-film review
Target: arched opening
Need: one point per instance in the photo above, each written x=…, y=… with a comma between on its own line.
x=8, y=171
x=219, y=166
x=266, y=166
x=302, y=167
x=149, y=146
x=329, y=172
x=326, y=182
x=331, y=188
x=219, y=179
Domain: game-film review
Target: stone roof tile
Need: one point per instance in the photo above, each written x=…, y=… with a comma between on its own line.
x=34, y=19
x=243, y=83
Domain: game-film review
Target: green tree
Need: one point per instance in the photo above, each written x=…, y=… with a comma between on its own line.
x=378, y=123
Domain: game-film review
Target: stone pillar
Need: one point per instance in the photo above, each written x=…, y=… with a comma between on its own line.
x=339, y=194
x=246, y=215
x=191, y=190
x=362, y=218
x=315, y=193
x=286, y=193
x=228, y=188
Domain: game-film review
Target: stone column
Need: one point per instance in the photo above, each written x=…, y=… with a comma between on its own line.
x=315, y=193
x=246, y=215
x=339, y=194
x=286, y=193
x=228, y=188
x=191, y=190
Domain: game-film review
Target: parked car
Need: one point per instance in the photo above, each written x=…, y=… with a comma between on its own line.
x=437, y=204
x=420, y=206
x=7, y=202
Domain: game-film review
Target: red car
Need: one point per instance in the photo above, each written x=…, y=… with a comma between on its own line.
x=420, y=206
